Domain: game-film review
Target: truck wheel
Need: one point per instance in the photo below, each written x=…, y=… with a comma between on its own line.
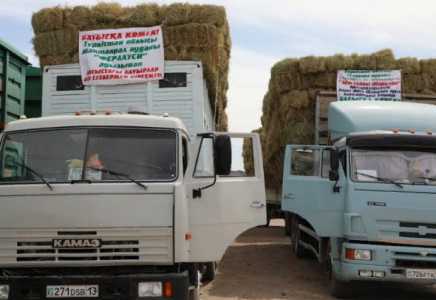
x=299, y=251
x=194, y=290
x=209, y=272
x=338, y=289
x=288, y=230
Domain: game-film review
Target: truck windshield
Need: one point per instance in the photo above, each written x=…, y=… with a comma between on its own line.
x=406, y=165
x=60, y=155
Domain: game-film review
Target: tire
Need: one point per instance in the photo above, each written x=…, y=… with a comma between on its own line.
x=209, y=272
x=297, y=249
x=338, y=289
x=268, y=217
x=288, y=230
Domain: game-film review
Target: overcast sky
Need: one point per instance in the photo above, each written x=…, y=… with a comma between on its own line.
x=264, y=32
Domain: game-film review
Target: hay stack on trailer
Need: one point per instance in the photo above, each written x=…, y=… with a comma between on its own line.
x=191, y=32
x=289, y=105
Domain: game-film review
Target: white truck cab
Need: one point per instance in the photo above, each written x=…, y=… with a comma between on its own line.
x=117, y=205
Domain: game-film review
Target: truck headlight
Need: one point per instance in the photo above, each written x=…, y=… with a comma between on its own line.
x=4, y=291
x=149, y=289
x=357, y=254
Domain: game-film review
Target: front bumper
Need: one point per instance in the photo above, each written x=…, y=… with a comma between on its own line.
x=394, y=261
x=110, y=287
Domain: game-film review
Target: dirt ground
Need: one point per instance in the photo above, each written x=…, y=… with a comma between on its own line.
x=260, y=265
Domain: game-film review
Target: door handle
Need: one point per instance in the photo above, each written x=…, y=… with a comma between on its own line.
x=258, y=205
x=289, y=196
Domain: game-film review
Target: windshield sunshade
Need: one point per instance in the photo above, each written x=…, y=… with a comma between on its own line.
x=60, y=155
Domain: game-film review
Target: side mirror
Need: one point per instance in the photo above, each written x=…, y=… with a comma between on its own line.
x=333, y=175
x=334, y=159
x=223, y=155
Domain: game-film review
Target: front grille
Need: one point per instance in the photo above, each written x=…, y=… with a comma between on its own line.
x=415, y=226
x=122, y=246
x=415, y=264
x=110, y=250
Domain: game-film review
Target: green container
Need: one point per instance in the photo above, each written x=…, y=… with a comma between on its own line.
x=13, y=65
x=32, y=108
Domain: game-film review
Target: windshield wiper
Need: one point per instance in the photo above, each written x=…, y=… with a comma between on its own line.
x=31, y=170
x=119, y=174
x=428, y=178
x=380, y=178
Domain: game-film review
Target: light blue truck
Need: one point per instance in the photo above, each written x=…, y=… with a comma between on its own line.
x=365, y=206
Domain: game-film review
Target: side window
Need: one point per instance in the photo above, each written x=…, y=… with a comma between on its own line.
x=325, y=163
x=242, y=157
x=205, y=162
x=185, y=154
x=305, y=162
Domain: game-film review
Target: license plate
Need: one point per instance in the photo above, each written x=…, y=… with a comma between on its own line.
x=421, y=274
x=72, y=291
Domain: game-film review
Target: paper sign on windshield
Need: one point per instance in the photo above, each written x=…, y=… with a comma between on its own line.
x=369, y=86
x=121, y=56
x=90, y=174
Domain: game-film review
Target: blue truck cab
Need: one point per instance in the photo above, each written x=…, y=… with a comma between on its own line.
x=365, y=206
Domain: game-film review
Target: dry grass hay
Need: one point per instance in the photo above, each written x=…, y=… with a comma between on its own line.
x=48, y=19
x=366, y=62
x=416, y=82
x=324, y=80
x=56, y=43
x=294, y=99
x=144, y=15
x=105, y=13
x=408, y=65
x=312, y=64
x=53, y=60
x=178, y=14
x=193, y=35
x=385, y=60
x=75, y=59
x=284, y=83
x=162, y=13
x=428, y=66
x=288, y=65
x=78, y=17
x=209, y=14
x=339, y=62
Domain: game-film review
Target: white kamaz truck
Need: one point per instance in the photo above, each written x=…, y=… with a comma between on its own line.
x=108, y=205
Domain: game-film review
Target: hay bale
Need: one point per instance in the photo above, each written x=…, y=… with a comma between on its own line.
x=286, y=82
x=408, y=65
x=78, y=17
x=54, y=60
x=385, y=60
x=106, y=13
x=162, y=13
x=416, y=82
x=144, y=15
x=209, y=14
x=193, y=35
x=312, y=64
x=178, y=14
x=294, y=99
x=56, y=43
x=339, y=62
x=48, y=19
x=428, y=66
x=366, y=62
x=288, y=65
x=324, y=80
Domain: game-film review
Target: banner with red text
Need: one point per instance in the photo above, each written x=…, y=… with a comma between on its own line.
x=369, y=86
x=121, y=56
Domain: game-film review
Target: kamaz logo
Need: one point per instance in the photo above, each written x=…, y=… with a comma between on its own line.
x=77, y=243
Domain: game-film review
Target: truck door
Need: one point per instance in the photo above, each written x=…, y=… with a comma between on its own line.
x=231, y=205
x=308, y=192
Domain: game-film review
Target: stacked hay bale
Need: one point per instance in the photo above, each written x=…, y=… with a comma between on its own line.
x=289, y=105
x=191, y=32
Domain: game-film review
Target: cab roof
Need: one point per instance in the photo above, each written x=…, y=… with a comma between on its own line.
x=121, y=120
x=363, y=116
